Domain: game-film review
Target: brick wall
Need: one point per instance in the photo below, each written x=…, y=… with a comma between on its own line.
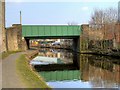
x=118, y=34
x=106, y=32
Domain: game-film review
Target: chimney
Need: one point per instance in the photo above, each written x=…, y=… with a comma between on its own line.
x=20, y=18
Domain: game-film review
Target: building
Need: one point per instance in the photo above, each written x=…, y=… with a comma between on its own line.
x=2, y=23
x=97, y=35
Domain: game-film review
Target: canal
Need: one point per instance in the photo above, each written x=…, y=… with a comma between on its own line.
x=66, y=69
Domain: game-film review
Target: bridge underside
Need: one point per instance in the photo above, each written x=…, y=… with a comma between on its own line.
x=53, y=37
x=76, y=41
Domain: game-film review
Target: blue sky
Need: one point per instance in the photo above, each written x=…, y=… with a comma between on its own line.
x=52, y=12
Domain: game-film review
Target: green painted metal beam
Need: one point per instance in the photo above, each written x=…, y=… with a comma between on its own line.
x=51, y=30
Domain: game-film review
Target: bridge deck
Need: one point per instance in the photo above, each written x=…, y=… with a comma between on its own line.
x=32, y=31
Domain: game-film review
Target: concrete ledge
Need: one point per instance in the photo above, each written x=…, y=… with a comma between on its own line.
x=31, y=54
x=104, y=53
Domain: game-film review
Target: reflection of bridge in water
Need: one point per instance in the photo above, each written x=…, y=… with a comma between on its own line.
x=99, y=71
x=54, y=72
x=61, y=75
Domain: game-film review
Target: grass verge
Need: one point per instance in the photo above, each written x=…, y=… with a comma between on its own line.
x=28, y=76
x=6, y=54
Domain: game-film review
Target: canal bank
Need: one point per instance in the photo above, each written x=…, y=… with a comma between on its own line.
x=16, y=69
x=111, y=53
x=115, y=54
x=26, y=72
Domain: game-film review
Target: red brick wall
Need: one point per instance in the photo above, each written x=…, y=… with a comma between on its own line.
x=105, y=32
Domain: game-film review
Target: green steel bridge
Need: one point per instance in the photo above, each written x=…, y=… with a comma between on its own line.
x=53, y=32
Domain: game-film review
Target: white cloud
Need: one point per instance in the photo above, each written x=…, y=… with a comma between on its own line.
x=85, y=8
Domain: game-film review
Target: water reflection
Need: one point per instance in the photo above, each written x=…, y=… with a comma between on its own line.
x=93, y=71
x=61, y=75
x=64, y=55
x=100, y=71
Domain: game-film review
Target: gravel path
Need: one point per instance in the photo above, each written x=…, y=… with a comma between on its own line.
x=10, y=79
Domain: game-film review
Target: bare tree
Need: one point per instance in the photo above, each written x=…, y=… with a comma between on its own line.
x=107, y=17
x=97, y=17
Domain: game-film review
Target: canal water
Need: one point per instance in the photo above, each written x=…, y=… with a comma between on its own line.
x=65, y=69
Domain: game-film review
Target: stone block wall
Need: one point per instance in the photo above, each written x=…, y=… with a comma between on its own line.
x=2, y=27
x=14, y=38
